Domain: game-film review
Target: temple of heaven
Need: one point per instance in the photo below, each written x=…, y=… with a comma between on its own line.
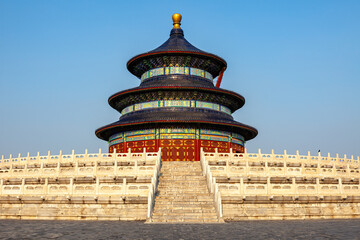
x=176, y=106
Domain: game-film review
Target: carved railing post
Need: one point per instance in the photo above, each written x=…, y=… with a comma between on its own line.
x=318, y=187
x=71, y=186
x=293, y=184
x=268, y=185
x=1, y=185
x=97, y=186
x=11, y=164
x=242, y=190
x=46, y=187
x=285, y=163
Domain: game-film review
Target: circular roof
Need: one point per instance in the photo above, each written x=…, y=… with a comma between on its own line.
x=176, y=50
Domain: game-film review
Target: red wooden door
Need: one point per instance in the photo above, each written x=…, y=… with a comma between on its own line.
x=178, y=150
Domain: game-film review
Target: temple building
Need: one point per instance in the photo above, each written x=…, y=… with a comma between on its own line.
x=177, y=106
x=177, y=155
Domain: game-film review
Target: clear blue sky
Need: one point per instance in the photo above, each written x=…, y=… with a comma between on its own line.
x=297, y=63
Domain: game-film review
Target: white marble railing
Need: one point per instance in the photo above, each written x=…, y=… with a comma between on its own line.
x=211, y=183
x=80, y=165
x=233, y=171
x=93, y=167
x=70, y=190
x=294, y=190
x=259, y=156
x=233, y=164
x=73, y=158
x=295, y=168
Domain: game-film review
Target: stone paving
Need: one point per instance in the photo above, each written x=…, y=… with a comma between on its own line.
x=307, y=229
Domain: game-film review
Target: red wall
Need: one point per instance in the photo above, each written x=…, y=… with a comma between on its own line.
x=177, y=149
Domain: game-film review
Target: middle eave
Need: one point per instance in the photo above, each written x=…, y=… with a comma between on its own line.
x=234, y=100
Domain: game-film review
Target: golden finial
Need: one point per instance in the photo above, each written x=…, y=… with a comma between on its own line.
x=176, y=20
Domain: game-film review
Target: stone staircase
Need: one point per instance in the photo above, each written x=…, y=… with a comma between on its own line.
x=183, y=196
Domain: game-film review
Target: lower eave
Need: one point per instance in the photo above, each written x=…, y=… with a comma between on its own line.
x=249, y=131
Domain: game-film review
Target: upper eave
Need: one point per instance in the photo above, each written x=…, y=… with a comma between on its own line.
x=137, y=59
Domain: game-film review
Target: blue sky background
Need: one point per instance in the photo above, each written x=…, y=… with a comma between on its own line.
x=297, y=63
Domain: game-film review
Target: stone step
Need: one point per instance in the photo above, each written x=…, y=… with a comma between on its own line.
x=195, y=211
x=191, y=215
x=183, y=172
x=180, y=168
x=177, y=184
x=185, y=195
x=182, y=180
x=174, y=217
x=179, y=200
x=168, y=212
x=176, y=201
x=174, y=193
x=185, y=219
x=184, y=206
x=184, y=188
x=166, y=202
x=182, y=164
x=194, y=189
x=195, y=167
x=185, y=198
x=183, y=183
x=182, y=195
x=191, y=186
x=185, y=178
x=163, y=204
x=165, y=190
x=179, y=211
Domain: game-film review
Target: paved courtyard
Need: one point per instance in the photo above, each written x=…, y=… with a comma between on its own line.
x=309, y=229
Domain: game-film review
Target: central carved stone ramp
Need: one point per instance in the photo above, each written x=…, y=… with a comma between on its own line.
x=183, y=196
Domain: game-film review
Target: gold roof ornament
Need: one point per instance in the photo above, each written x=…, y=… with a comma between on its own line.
x=176, y=20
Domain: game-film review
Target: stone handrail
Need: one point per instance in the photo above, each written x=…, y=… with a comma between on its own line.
x=154, y=183
x=272, y=157
x=306, y=175
x=211, y=183
x=266, y=165
x=265, y=171
x=291, y=190
x=70, y=190
x=94, y=164
x=73, y=158
x=88, y=168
